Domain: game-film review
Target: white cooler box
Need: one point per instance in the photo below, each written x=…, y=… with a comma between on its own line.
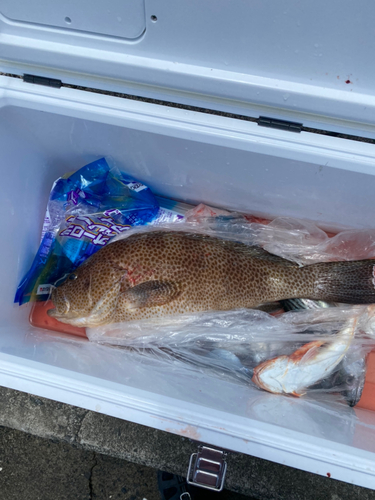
x=310, y=63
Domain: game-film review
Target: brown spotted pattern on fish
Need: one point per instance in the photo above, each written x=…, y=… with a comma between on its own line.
x=161, y=273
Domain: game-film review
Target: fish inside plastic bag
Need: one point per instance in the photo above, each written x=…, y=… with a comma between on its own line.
x=319, y=351
x=317, y=414
x=332, y=344
x=214, y=263
x=234, y=344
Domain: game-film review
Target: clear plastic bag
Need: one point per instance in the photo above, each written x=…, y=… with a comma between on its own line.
x=305, y=243
x=233, y=344
x=296, y=240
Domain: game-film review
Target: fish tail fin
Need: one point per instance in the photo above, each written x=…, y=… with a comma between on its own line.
x=351, y=282
x=306, y=352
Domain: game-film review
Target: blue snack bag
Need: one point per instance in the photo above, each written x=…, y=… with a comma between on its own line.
x=85, y=211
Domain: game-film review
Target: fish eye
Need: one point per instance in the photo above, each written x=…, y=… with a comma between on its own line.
x=73, y=276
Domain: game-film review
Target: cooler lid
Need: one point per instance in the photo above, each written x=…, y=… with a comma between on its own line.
x=306, y=59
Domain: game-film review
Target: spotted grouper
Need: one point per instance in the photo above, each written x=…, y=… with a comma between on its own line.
x=160, y=273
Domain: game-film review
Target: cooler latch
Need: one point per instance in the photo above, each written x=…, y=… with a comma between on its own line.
x=207, y=469
x=42, y=80
x=264, y=121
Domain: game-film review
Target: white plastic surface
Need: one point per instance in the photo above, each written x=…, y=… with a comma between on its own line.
x=46, y=132
x=120, y=18
x=300, y=57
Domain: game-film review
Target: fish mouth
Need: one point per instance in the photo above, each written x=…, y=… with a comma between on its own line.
x=62, y=311
x=52, y=313
x=61, y=305
x=60, y=316
x=70, y=319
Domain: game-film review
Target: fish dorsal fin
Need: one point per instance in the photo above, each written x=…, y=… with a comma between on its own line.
x=254, y=251
x=259, y=253
x=306, y=352
x=150, y=294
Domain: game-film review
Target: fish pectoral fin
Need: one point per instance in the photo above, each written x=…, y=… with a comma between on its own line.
x=306, y=352
x=151, y=294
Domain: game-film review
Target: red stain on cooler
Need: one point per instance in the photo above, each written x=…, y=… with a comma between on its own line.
x=328, y=474
x=189, y=431
x=40, y=319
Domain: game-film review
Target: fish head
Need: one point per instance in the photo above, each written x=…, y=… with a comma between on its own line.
x=89, y=295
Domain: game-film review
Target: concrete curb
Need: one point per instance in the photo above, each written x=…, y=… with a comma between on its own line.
x=146, y=446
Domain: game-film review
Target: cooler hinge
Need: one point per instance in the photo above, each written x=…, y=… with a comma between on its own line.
x=264, y=121
x=42, y=80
